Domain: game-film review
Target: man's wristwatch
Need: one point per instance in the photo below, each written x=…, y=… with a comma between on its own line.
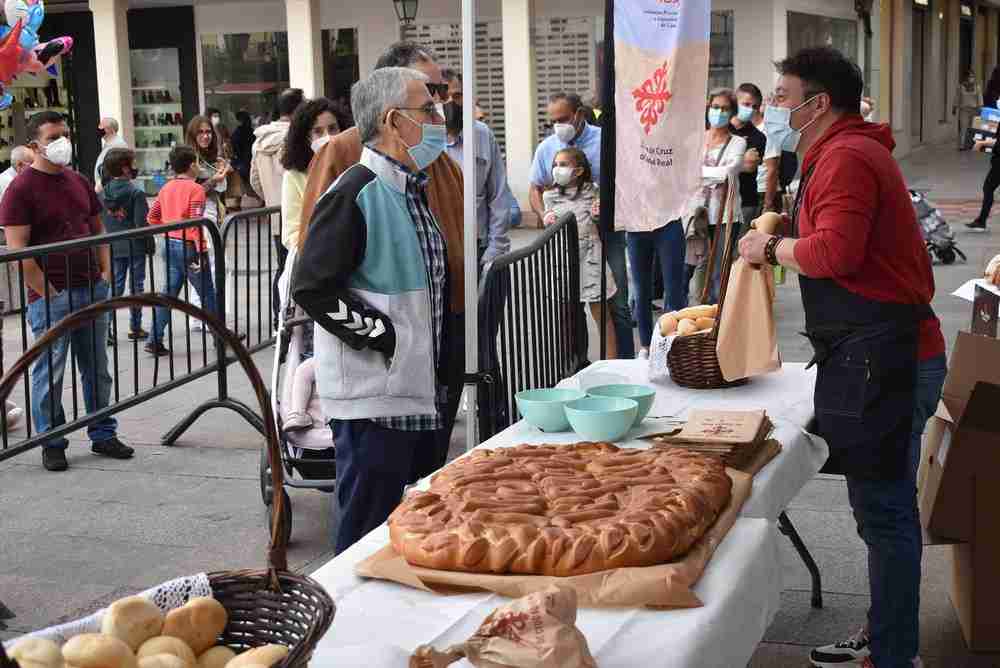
x=771, y=249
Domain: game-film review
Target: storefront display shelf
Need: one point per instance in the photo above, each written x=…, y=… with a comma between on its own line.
x=152, y=149
x=156, y=104
x=172, y=85
x=159, y=127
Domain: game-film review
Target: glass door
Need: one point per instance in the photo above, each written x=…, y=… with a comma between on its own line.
x=158, y=119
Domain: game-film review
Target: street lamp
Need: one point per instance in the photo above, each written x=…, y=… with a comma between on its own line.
x=406, y=10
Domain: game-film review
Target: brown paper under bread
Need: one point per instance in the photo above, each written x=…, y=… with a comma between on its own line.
x=561, y=510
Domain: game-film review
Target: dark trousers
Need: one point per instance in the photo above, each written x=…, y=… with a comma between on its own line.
x=374, y=464
x=620, y=312
x=282, y=254
x=989, y=185
x=667, y=245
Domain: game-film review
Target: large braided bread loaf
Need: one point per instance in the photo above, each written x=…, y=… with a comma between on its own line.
x=561, y=509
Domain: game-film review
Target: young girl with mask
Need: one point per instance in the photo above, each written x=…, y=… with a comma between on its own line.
x=723, y=161
x=574, y=192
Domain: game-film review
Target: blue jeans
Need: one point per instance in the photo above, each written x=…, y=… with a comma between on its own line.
x=183, y=264
x=666, y=243
x=620, y=314
x=889, y=523
x=374, y=464
x=91, y=353
x=134, y=266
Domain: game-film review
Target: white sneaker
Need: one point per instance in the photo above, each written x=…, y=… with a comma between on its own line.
x=643, y=354
x=852, y=651
x=14, y=414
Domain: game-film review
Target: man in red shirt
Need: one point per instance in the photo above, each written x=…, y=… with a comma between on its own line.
x=866, y=285
x=48, y=203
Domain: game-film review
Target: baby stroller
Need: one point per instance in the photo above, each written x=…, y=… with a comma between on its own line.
x=937, y=233
x=307, y=455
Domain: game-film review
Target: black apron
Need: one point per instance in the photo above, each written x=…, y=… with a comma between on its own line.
x=865, y=352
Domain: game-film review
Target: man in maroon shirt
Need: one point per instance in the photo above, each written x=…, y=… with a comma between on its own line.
x=866, y=285
x=48, y=203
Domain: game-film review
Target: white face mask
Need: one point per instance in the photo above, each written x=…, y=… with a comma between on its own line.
x=216, y=120
x=563, y=176
x=565, y=131
x=59, y=152
x=319, y=143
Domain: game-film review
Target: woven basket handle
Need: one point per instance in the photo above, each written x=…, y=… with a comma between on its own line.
x=728, y=215
x=277, y=555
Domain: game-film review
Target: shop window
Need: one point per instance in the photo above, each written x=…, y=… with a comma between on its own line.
x=244, y=71
x=341, y=69
x=720, y=64
x=810, y=30
x=157, y=114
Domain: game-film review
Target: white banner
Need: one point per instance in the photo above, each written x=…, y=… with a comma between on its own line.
x=661, y=77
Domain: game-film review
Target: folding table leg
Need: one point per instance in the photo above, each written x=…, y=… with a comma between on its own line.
x=787, y=528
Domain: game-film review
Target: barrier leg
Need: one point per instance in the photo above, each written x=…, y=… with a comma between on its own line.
x=232, y=404
x=786, y=527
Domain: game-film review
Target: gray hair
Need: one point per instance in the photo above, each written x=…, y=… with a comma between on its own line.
x=111, y=124
x=381, y=91
x=21, y=154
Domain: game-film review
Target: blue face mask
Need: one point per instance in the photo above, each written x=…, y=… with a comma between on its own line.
x=745, y=114
x=777, y=126
x=718, y=118
x=431, y=144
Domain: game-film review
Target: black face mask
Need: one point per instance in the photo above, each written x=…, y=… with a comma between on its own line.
x=101, y=133
x=453, y=117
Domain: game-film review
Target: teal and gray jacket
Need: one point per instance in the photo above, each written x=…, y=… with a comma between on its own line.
x=362, y=277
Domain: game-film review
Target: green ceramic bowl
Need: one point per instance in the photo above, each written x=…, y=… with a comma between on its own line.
x=642, y=394
x=602, y=418
x=545, y=408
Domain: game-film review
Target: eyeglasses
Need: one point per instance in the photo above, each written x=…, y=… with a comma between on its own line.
x=430, y=109
x=441, y=90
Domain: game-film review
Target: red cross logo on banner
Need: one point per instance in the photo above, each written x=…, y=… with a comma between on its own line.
x=652, y=96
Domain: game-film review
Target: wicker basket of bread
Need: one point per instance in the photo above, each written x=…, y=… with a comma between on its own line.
x=225, y=619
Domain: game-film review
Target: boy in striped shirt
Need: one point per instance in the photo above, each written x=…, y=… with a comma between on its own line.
x=186, y=250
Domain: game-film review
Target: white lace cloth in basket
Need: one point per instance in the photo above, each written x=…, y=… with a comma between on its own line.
x=659, y=346
x=167, y=596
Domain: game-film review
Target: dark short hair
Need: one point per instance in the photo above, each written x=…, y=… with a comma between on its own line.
x=754, y=91
x=449, y=74
x=36, y=122
x=298, y=151
x=181, y=158
x=572, y=99
x=290, y=100
x=243, y=116
x=116, y=161
x=826, y=70
x=404, y=54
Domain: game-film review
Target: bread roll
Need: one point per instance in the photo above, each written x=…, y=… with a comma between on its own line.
x=198, y=623
x=668, y=324
x=686, y=326
x=216, y=657
x=162, y=661
x=267, y=656
x=704, y=323
x=133, y=620
x=768, y=222
x=37, y=653
x=94, y=650
x=695, y=312
x=168, y=645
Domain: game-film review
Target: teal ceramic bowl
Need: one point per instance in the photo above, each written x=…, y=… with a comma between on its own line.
x=545, y=408
x=602, y=418
x=642, y=394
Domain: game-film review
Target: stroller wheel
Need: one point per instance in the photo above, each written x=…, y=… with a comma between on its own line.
x=947, y=255
x=961, y=254
x=266, y=490
x=287, y=516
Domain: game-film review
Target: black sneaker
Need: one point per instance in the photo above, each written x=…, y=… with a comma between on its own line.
x=112, y=448
x=848, y=652
x=976, y=225
x=157, y=349
x=54, y=459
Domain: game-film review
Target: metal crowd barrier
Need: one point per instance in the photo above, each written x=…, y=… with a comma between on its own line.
x=242, y=267
x=532, y=331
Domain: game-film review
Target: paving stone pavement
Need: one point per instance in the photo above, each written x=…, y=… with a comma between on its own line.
x=72, y=542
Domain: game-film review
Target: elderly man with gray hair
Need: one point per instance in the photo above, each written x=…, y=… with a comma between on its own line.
x=107, y=130
x=20, y=157
x=373, y=274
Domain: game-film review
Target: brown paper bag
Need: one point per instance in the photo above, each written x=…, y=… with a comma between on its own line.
x=663, y=586
x=748, y=344
x=536, y=631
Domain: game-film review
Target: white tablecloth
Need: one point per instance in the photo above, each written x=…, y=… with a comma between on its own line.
x=378, y=623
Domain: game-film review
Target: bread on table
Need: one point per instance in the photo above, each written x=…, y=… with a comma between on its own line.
x=133, y=620
x=704, y=323
x=162, y=661
x=266, y=656
x=686, y=327
x=95, y=650
x=199, y=622
x=216, y=657
x=37, y=653
x=168, y=645
x=668, y=324
x=561, y=509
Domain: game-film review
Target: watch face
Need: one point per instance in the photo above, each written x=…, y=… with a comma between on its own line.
x=984, y=312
